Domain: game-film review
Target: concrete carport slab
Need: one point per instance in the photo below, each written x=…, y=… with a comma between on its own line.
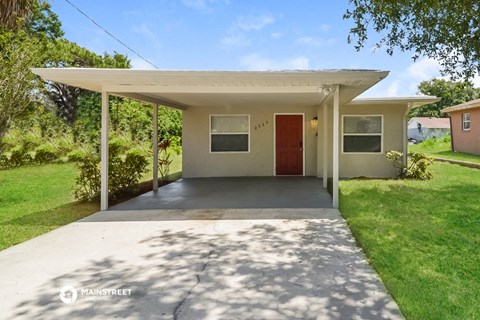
x=235, y=192
x=181, y=264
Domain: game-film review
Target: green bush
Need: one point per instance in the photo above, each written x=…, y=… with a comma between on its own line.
x=87, y=184
x=127, y=165
x=44, y=153
x=125, y=171
x=15, y=157
x=417, y=167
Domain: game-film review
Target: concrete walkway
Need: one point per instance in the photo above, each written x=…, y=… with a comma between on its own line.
x=181, y=264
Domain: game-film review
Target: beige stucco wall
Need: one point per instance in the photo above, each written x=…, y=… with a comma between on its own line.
x=199, y=162
x=368, y=165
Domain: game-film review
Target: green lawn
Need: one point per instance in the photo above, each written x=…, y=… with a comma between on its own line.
x=441, y=148
x=423, y=238
x=38, y=199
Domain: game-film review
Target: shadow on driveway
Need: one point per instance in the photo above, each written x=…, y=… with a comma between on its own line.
x=305, y=268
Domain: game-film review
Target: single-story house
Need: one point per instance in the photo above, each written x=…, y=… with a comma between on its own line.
x=465, y=123
x=423, y=128
x=263, y=123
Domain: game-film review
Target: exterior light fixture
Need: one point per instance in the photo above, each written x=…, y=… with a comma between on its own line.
x=314, y=123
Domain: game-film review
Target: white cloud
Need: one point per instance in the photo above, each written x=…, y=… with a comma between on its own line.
x=248, y=23
x=423, y=69
x=310, y=41
x=235, y=41
x=315, y=41
x=140, y=64
x=204, y=6
x=325, y=27
x=259, y=63
x=276, y=35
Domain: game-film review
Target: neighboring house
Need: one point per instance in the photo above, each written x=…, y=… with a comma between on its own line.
x=264, y=123
x=423, y=128
x=465, y=122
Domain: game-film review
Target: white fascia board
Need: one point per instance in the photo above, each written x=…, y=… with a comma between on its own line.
x=415, y=100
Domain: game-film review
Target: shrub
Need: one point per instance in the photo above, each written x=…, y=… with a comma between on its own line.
x=16, y=156
x=396, y=159
x=44, y=153
x=417, y=167
x=87, y=184
x=126, y=167
x=125, y=171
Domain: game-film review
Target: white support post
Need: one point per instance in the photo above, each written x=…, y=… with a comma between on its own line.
x=104, y=153
x=335, y=158
x=155, y=147
x=405, y=134
x=325, y=146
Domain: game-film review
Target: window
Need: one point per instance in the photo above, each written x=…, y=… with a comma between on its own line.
x=229, y=133
x=362, y=134
x=466, y=121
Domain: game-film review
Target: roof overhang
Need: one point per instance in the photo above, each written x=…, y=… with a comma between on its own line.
x=183, y=89
x=463, y=106
x=412, y=101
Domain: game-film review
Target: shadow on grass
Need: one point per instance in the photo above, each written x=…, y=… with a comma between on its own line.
x=295, y=270
x=58, y=216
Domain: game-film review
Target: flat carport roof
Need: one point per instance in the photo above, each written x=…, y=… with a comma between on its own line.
x=234, y=193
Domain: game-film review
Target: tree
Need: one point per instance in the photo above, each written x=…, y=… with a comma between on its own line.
x=445, y=30
x=11, y=11
x=17, y=83
x=451, y=93
x=64, y=54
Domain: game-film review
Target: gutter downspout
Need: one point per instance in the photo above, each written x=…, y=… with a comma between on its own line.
x=452, y=145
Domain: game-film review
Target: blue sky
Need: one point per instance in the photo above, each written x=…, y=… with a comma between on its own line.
x=238, y=35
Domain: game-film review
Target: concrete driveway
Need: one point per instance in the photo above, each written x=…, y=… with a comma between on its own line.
x=195, y=264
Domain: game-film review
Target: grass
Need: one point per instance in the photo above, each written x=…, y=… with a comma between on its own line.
x=441, y=148
x=423, y=238
x=37, y=199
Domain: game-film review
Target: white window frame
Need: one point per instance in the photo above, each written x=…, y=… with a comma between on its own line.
x=210, y=133
x=464, y=121
x=362, y=134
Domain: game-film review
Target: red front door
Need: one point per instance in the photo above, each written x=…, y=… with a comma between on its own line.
x=289, y=144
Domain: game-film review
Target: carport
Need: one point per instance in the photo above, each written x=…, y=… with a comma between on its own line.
x=323, y=91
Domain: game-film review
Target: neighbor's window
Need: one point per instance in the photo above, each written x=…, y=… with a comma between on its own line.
x=229, y=133
x=362, y=134
x=466, y=121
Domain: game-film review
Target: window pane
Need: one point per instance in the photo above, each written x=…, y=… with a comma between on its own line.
x=229, y=142
x=367, y=124
x=362, y=144
x=466, y=117
x=228, y=124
